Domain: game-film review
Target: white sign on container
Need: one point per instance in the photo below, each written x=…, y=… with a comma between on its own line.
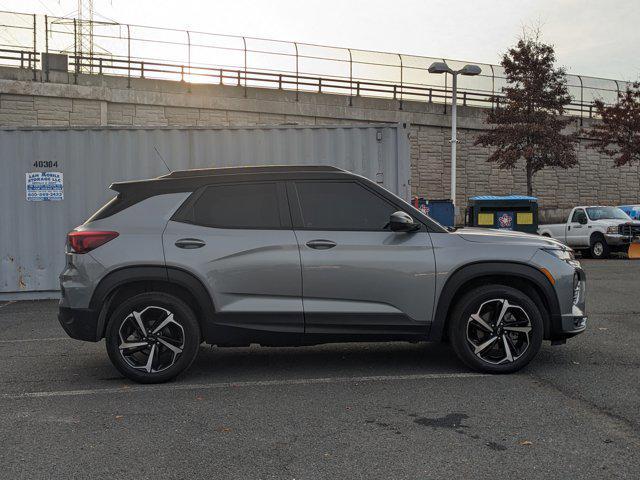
x=44, y=186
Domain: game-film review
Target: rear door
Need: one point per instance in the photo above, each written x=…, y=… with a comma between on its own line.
x=237, y=239
x=357, y=276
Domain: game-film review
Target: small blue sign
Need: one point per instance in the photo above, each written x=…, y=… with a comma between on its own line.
x=44, y=186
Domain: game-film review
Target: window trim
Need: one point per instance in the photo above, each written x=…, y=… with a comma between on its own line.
x=296, y=206
x=184, y=213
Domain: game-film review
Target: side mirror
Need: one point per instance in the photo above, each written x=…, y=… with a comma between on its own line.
x=582, y=220
x=402, y=222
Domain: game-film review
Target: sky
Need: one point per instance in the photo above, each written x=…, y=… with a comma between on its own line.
x=596, y=38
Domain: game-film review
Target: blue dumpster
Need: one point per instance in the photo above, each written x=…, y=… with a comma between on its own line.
x=440, y=210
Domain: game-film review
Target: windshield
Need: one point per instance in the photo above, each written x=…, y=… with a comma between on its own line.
x=604, y=213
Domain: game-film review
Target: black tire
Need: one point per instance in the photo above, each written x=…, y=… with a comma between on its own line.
x=598, y=247
x=463, y=330
x=182, y=332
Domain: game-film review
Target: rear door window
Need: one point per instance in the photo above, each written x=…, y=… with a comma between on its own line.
x=248, y=205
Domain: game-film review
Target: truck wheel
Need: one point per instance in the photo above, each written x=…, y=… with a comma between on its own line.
x=152, y=337
x=599, y=248
x=496, y=329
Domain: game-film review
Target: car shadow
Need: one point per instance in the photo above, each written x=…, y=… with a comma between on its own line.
x=336, y=360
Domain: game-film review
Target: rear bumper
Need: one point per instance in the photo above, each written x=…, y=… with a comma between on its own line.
x=79, y=323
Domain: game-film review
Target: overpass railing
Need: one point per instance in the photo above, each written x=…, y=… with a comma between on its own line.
x=135, y=51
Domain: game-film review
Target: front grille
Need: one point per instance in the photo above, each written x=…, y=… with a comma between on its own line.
x=629, y=229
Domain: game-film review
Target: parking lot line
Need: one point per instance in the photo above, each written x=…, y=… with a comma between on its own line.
x=220, y=385
x=26, y=340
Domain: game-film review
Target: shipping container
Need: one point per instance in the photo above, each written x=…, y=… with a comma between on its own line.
x=52, y=179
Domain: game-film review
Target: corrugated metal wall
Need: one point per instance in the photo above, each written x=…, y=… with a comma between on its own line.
x=32, y=234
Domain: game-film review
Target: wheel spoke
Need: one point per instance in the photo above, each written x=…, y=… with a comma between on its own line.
x=507, y=349
x=483, y=346
x=171, y=347
x=505, y=307
x=149, y=366
x=479, y=320
x=127, y=345
x=518, y=329
x=138, y=319
x=164, y=323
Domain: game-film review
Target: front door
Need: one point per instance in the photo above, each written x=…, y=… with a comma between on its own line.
x=577, y=233
x=359, y=277
x=238, y=239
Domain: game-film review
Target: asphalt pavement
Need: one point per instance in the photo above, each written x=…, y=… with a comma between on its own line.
x=346, y=411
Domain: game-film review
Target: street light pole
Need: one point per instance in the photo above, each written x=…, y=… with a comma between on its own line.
x=454, y=137
x=468, y=70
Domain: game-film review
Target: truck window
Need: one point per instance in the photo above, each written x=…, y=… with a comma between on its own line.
x=579, y=216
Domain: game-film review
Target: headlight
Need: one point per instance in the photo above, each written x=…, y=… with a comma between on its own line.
x=562, y=254
x=613, y=229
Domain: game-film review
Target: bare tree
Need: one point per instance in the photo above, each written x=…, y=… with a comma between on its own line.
x=618, y=134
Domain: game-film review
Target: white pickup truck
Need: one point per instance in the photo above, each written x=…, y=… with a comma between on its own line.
x=594, y=230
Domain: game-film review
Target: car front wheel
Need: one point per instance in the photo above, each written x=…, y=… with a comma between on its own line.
x=599, y=248
x=496, y=329
x=152, y=337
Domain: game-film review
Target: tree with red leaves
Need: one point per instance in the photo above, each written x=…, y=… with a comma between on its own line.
x=618, y=134
x=529, y=122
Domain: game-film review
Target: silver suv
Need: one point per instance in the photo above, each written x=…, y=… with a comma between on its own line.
x=300, y=256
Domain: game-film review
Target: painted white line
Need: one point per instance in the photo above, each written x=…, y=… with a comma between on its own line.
x=257, y=383
x=25, y=340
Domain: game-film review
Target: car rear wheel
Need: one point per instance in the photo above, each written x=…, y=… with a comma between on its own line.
x=152, y=337
x=496, y=329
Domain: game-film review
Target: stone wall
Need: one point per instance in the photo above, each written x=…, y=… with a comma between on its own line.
x=93, y=100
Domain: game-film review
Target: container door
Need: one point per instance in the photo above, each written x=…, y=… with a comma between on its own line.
x=358, y=277
x=238, y=240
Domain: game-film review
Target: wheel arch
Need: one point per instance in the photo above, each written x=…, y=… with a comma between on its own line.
x=129, y=281
x=518, y=275
x=596, y=234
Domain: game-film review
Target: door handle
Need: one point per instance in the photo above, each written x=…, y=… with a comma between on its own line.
x=321, y=244
x=189, y=243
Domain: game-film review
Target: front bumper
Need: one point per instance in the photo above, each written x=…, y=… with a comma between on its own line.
x=573, y=322
x=79, y=323
x=617, y=240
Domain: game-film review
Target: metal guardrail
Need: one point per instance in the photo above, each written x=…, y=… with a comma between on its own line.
x=200, y=57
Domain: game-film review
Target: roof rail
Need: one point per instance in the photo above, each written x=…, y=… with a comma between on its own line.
x=205, y=172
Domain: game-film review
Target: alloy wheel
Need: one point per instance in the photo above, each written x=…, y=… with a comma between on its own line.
x=151, y=339
x=598, y=249
x=498, y=332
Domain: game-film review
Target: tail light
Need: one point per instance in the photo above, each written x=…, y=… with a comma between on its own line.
x=83, y=242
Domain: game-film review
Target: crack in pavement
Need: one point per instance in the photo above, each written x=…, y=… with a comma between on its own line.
x=627, y=427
